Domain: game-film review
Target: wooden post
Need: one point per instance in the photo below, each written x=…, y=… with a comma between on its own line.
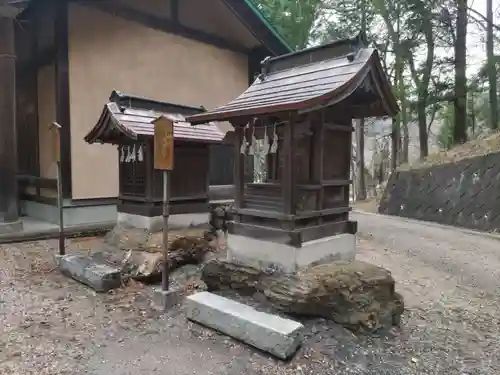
x=239, y=166
x=9, y=211
x=164, y=161
x=288, y=181
x=56, y=136
x=317, y=158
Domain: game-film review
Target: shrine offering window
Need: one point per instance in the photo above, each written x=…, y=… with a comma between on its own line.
x=132, y=166
x=263, y=154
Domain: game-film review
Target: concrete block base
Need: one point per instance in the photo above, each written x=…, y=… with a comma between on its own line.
x=99, y=276
x=11, y=227
x=73, y=216
x=273, y=334
x=155, y=223
x=166, y=299
x=270, y=255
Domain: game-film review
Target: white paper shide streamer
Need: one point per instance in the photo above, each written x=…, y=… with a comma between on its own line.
x=274, y=146
x=253, y=143
x=243, y=148
x=266, y=145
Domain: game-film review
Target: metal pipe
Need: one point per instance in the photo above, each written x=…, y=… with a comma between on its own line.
x=166, y=209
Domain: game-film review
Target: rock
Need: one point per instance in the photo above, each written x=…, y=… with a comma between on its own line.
x=188, y=250
x=142, y=266
x=147, y=266
x=355, y=294
x=127, y=238
x=219, y=275
x=99, y=276
x=273, y=334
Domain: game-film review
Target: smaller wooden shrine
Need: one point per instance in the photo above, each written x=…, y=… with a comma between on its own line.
x=128, y=122
x=298, y=116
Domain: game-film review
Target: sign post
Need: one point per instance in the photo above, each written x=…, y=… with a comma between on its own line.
x=56, y=129
x=164, y=161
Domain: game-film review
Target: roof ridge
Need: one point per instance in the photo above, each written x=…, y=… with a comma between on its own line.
x=328, y=59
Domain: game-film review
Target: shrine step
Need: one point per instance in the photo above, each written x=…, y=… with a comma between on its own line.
x=273, y=334
x=89, y=271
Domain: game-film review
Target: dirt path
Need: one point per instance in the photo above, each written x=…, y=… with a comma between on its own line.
x=52, y=325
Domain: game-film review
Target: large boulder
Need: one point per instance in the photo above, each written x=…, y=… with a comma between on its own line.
x=221, y=275
x=126, y=238
x=358, y=295
x=139, y=254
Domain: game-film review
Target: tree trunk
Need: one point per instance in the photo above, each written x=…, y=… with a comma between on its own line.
x=404, y=126
x=422, y=129
x=394, y=144
x=360, y=160
x=492, y=72
x=472, y=111
x=8, y=150
x=460, y=126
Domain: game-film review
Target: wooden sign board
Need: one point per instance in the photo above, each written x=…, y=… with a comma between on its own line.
x=164, y=144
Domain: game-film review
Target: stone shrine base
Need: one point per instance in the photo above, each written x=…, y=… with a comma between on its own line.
x=265, y=254
x=358, y=295
x=154, y=224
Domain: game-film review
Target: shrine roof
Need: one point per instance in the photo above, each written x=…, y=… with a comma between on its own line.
x=310, y=79
x=131, y=117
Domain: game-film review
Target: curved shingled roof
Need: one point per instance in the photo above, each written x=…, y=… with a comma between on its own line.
x=128, y=117
x=304, y=87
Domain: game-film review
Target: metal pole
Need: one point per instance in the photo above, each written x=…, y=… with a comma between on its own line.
x=166, y=209
x=62, y=249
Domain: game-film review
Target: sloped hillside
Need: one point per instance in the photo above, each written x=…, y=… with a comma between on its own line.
x=459, y=187
x=481, y=146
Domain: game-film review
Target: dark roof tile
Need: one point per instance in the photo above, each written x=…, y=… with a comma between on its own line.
x=117, y=123
x=327, y=82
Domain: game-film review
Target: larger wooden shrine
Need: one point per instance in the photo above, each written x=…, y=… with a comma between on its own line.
x=298, y=115
x=128, y=122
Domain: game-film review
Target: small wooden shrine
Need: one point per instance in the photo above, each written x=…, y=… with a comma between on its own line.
x=127, y=121
x=296, y=119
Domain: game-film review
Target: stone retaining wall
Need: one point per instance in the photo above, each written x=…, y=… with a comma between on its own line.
x=465, y=193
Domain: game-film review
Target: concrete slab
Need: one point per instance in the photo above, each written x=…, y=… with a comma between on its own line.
x=166, y=299
x=36, y=230
x=10, y=227
x=273, y=334
x=99, y=276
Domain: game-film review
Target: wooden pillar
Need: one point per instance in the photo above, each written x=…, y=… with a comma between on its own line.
x=238, y=166
x=288, y=182
x=318, y=158
x=9, y=211
x=62, y=92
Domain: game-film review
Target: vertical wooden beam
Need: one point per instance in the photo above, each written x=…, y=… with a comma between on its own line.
x=34, y=20
x=238, y=166
x=62, y=92
x=148, y=153
x=348, y=168
x=288, y=181
x=9, y=211
x=174, y=12
x=318, y=158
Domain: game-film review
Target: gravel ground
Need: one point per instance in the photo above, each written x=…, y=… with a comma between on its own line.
x=53, y=325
